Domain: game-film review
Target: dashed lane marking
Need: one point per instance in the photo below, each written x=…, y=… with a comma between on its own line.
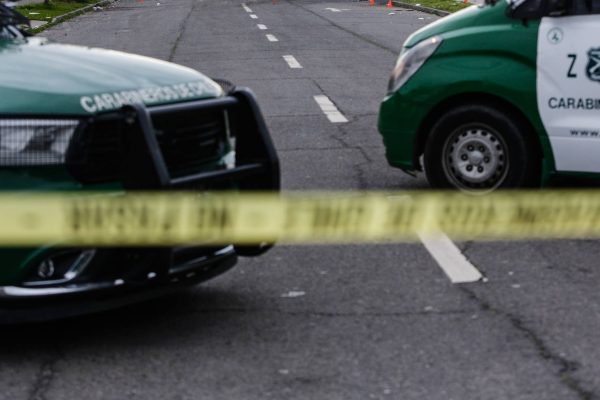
x=330, y=110
x=253, y=16
x=271, y=38
x=246, y=8
x=262, y=27
x=292, y=62
x=450, y=259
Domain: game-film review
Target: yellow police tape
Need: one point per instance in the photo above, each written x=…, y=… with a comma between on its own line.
x=293, y=217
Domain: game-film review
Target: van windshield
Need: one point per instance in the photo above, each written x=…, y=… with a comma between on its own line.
x=512, y=3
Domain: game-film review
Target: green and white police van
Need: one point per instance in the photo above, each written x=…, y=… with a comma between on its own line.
x=77, y=119
x=501, y=95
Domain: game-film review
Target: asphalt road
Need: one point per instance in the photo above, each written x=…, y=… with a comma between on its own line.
x=319, y=322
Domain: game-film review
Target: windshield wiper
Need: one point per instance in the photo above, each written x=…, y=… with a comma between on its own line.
x=8, y=16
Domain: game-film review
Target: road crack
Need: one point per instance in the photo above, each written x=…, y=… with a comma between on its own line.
x=358, y=167
x=566, y=368
x=356, y=35
x=333, y=314
x=182, y=31
x=44, y=376
x=311, y=149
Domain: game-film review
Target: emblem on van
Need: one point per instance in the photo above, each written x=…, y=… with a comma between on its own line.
x=555, y=35
x=593, y=66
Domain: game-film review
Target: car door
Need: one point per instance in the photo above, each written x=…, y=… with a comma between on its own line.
x=568, y=85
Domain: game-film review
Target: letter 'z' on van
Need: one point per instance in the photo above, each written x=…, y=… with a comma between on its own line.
x=77, y=119
x=501, y=95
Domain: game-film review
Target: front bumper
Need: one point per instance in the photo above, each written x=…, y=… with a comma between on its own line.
x=117, y=276
x=398, y=123
x=148, y=275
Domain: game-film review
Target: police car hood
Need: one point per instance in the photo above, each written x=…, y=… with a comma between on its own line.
x=39, y=77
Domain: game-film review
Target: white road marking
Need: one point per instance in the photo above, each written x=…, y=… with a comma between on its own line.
x=333, y=9
x=292, y=62
x=294, y=293
x=253, y=16
x=450, y=259
x=262, y=27
x=246, y=8
x=330, y=110
x=271, y=38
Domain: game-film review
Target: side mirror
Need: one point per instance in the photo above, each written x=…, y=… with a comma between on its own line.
x=536, y=9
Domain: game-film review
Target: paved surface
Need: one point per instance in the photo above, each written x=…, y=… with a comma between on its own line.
x=372, y=322
x=27, y=2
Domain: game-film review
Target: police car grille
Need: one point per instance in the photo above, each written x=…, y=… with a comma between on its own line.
x=95, y=154
x=190, y=144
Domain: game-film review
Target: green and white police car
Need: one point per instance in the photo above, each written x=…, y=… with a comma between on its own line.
x=77, y=119
x=501, y=95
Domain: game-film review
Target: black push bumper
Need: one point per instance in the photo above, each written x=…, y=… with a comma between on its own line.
x=256, y=167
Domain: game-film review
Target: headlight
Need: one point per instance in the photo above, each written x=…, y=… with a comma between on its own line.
x=410, y=61
x=35, y=141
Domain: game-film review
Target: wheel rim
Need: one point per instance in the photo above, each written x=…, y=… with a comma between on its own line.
x=475, y=158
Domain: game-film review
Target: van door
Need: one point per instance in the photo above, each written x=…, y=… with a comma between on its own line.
x=568, y=85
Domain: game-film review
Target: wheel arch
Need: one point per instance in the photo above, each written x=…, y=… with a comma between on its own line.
x=471, y=98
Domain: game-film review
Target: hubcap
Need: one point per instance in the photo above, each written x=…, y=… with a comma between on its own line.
x=475, y=158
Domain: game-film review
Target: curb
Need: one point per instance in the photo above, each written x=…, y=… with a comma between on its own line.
x=428, y=10
x=69, y=15
x=82, y=10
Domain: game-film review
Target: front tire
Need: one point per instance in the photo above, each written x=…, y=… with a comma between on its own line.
x=478, y=148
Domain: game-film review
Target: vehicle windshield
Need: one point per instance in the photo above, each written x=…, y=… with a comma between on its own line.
x=9, y=22
x=511, y=3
